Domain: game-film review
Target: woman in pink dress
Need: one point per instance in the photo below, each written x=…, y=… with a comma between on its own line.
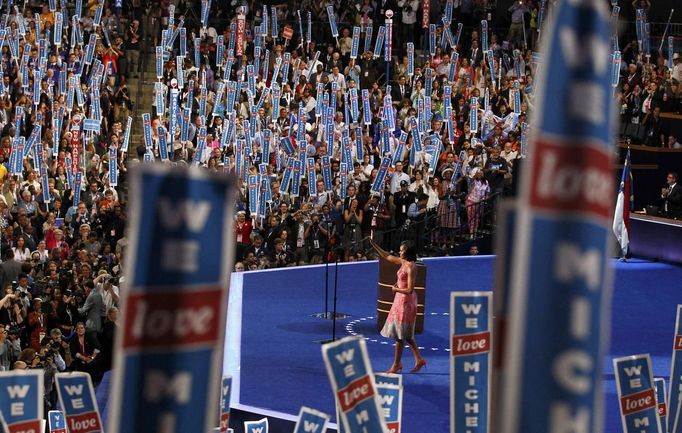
x=403, y=315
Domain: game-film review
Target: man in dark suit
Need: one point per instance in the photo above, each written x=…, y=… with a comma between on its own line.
x=400, y=91
x=475, y=53
x=672, y=196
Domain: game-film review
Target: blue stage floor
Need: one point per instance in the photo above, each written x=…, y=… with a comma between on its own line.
x=280, y=364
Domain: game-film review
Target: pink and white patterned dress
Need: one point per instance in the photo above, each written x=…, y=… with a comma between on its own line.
x=403, y=315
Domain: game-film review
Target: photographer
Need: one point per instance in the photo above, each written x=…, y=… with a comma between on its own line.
x=9, y=348
x=352, y=234
x=46, y=360
x=57, y=346
x=298, y=241
x=317, y=237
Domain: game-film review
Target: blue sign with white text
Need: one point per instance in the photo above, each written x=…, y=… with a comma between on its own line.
x=471, y=321
x=225, y=392
x=391, y=398
x=676, y=375
x=637, y=395
x=56, y=421
x=311, y=420
x=561, y=279
x=169, y=354
x=350, y=374
x=260, y=426
x=21, y=399
x=77, y=399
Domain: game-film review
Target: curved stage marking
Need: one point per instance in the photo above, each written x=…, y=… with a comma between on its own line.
x=350, y=329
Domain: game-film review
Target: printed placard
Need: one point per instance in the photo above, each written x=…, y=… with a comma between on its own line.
x=355, y=43
x=561, y=313
x=676, y=372
x=260, y=426
x=77, y=398
x=388, y=379
x=167, y=376
x=661, y=402
x=391, y=398
x=471, y=325
x=368, y=38
x=351, y=378
x=225, y=393
x=332, y=21
x=21, y=400
x=637, y=395
x=56, y=421
x=378, y=185
x=311, y=420
x=379, y=43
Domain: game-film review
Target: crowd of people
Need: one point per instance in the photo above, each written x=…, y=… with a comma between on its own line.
x=341, y=111
x=334, y=143
x=650, y=87
x=64, y=118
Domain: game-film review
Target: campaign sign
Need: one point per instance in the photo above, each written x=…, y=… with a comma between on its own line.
x=56, y=421
x=351, y=378
x=637, y=395
x=561, y=278
x=225, y=392
x=676, y=371
x=378, y=185
x=256, y=426
x=661, y=402
x=21, y=400
x=168, y=358
x=388, y=379
x=471, y=325
x=77, y=398
x=311, y=420
x=391, y=398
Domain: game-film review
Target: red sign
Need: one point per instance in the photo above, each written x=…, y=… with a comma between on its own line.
x=84, y=423
x=24, y=426
x=471, y=344
x=287, y=32
x=571, y=177
x=426, y=11
x=662, y=409
x=638, y=402
x=355, y=392
x=678, y=342
x=162, y=320
x=239, y=41
x=75, y=143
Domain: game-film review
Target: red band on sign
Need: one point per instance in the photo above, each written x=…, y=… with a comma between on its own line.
x=678, y=342
x=470, y=344
x=662, y=410
x=24, y=426
x=638, y=402
x=575, y=178
x=172, y=319
x=393, y=427
x=356, y=392
x=224, y=422
x=84, y=423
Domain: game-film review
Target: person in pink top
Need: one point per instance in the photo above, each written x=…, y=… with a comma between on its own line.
x=403, y=315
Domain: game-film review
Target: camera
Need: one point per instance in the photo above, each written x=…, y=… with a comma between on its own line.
x=14, y=331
